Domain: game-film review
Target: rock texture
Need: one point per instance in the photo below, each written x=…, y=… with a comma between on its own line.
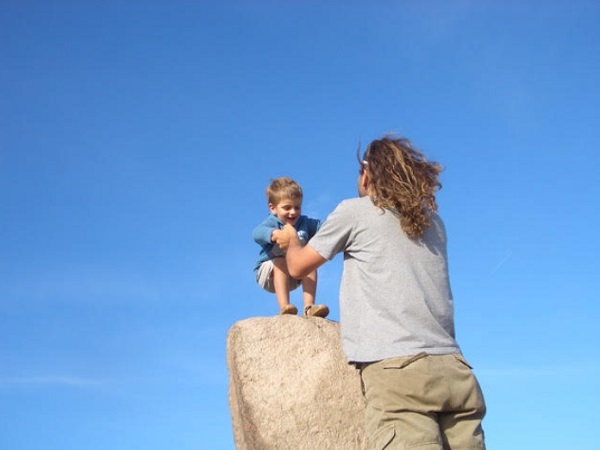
x=291, y=387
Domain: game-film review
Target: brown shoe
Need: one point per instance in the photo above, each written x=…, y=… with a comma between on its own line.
x=288, y=309
x=316, y=311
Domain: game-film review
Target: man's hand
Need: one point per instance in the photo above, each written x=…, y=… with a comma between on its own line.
x=284, y=236
x=274, y=235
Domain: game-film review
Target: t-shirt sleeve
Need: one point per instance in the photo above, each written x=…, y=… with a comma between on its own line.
x=334, y=234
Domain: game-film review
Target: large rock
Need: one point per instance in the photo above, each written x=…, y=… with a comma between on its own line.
x=291, y=386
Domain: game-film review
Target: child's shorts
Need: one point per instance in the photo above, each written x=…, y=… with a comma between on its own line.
x=264, y=277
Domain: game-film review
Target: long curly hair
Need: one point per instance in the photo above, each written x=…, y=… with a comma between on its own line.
x=401, y=178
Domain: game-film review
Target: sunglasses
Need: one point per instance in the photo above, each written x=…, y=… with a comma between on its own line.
x=363, y=166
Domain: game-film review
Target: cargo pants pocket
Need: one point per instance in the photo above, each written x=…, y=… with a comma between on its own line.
x=384, y=437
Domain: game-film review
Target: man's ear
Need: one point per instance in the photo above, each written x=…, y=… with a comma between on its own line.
x=365, y=180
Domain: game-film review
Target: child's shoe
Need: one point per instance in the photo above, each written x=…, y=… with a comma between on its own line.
x=288, y=309
x=316, y=311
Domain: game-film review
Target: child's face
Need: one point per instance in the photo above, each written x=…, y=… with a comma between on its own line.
x=287, y=210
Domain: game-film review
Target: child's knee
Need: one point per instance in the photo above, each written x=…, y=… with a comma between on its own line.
x=280, y=265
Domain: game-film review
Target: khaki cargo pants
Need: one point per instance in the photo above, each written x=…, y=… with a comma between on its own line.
x=424, y=402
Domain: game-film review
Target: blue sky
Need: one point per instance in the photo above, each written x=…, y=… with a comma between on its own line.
x=136, y=140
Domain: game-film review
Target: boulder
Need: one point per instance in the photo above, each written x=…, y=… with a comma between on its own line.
x=290, y=386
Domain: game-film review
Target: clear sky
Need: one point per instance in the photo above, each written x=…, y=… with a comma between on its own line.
x=136, y=141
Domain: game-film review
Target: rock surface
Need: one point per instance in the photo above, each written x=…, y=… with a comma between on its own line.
x=290, y=386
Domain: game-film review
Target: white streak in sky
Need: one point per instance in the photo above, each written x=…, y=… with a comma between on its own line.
x=500, y=263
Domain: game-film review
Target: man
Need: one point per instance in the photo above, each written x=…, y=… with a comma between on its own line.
x=396, y=306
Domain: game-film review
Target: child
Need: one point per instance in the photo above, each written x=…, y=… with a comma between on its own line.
x=284, y=197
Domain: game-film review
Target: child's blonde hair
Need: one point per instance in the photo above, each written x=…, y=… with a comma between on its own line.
x=283, y=188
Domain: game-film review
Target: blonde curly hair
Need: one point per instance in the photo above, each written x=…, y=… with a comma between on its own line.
x=401, y=178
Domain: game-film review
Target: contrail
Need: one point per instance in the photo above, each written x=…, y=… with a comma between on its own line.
x=500, y=263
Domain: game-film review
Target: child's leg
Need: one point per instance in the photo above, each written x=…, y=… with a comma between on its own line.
x=281, y=282
x=309, y=286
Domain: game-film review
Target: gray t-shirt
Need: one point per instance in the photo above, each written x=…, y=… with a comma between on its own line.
x=395, y=297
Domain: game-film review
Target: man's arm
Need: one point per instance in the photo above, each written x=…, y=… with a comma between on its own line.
x=300, y=260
